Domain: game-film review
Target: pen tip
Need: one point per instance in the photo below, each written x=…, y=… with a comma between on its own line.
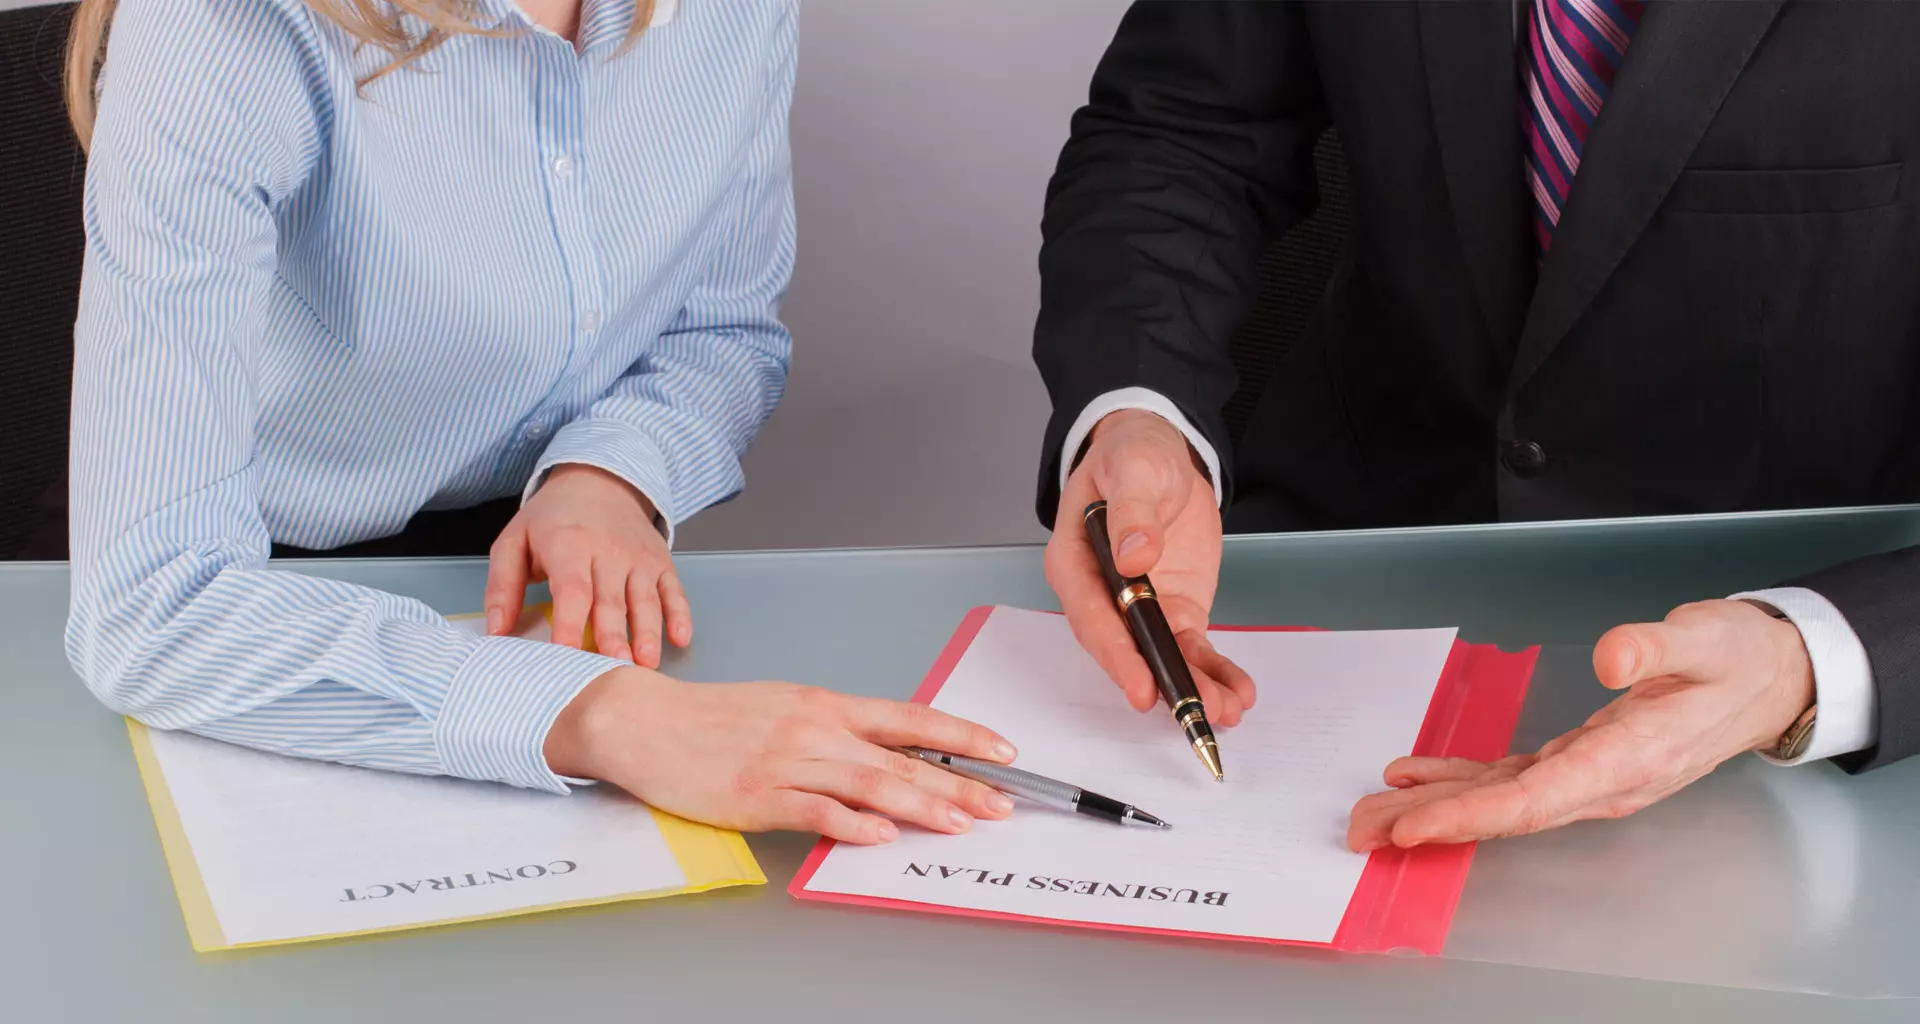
x=1136, y=816
x=1209, y=752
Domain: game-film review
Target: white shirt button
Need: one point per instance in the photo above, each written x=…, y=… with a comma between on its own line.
x=533, y=432
x=563, y=166
x=590, y=321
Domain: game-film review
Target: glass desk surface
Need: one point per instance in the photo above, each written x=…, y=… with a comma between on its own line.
x=1788, y=882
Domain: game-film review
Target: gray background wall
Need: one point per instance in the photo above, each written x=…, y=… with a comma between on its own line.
x=923, y=136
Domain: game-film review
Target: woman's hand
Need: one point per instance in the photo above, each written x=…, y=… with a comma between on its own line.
x=761, y=756
x=592, y=537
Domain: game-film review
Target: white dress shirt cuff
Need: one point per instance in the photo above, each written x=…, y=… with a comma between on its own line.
x=1842, y=676
x=1137, y=398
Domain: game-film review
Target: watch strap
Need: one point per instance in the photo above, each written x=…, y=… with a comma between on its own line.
x=1793, y=742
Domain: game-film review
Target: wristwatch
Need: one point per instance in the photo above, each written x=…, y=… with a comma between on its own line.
x=1793, y=742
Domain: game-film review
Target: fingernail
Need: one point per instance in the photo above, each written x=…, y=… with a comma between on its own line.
x=887, y=833
x=959, y=819
x=1003, y=751
x=1130, y=543
x=1000, y=803
x=495, y=620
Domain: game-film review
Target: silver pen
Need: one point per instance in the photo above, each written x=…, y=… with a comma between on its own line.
x=1037, y=788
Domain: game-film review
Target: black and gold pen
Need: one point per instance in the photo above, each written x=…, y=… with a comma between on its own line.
x=1140, y=606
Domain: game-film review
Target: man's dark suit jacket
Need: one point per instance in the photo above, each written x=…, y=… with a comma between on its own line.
x=1729, y=317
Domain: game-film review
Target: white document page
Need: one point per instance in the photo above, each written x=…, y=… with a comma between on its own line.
x=1262, y=854
x=291, y=848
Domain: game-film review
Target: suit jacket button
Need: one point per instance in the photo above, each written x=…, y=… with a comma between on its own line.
x=1524, y=458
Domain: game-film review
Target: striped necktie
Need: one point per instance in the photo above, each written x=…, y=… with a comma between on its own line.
x=1573, y=49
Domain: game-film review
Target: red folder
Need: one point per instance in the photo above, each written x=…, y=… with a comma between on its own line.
x=1405, y=898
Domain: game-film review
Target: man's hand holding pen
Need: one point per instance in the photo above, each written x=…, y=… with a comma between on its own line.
x=1162, y=522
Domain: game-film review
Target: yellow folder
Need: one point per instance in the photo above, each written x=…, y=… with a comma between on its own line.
x=710, y=858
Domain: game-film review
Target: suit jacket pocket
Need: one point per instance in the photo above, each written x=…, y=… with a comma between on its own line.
x=1834, y=190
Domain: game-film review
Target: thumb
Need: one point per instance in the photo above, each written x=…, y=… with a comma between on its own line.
x=1640, y=651
x=1139, y=511
x=506, y=579
x=1137, y=536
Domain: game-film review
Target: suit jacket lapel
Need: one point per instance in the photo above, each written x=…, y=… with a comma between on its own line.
x=1471, y=73
x=1679, y=68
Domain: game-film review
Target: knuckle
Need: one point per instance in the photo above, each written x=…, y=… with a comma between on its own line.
x=1642, y=771
x=1119, y=655
x=817, y=816
x=1620, y=807
x=749, y=784
x=797, y=732
x=978, y=736
x=1532, y=816
x=867, y=781
x=1646, y=647
x=782, y=695
x=902, y=766
x=1690, y=610
x=816, y=701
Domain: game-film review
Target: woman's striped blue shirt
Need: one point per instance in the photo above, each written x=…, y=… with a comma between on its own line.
x=312, y=310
